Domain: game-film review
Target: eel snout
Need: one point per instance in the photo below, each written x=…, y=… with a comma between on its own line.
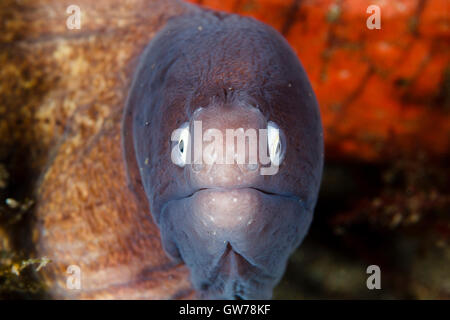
x=224, y=160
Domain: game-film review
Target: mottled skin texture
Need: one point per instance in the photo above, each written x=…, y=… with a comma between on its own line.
x=233, y=227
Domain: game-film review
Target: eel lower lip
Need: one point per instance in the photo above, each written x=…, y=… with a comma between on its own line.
x=221, y=189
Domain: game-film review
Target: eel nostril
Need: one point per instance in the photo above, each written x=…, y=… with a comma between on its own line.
x=248, y=167
x=238, y=291
x=197, y=167
x=251, y=166
x=204, y=286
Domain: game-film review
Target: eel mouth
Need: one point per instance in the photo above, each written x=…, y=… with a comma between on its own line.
x=280, y=195
x=230, y=208
x=223, y=189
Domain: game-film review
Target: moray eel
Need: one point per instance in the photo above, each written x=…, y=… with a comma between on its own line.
x=232, y=226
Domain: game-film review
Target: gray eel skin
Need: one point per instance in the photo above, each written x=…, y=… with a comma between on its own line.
x=233, y=227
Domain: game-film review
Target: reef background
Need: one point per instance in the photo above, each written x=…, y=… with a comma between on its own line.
x=385, y=103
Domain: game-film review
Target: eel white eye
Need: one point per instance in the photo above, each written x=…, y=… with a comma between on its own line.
x=274, y=141
x=180, y=145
